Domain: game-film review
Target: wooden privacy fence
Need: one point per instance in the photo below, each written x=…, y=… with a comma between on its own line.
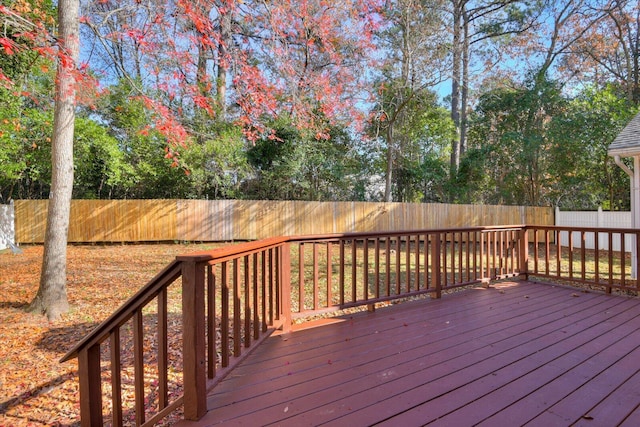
x=226, y=220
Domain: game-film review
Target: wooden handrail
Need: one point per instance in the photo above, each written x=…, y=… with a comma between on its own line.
x=245, y=291
x=169, y=274
x=199, y=272
x=234, y=250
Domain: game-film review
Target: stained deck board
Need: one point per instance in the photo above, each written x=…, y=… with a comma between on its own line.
x=410, y=346
x=553, y=366
x=316, y=353
x=515, y=353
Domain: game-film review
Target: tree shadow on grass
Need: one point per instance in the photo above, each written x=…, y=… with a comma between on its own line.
x=14, y=304
x=57, y=341
x=62, y=339
x=40, y=389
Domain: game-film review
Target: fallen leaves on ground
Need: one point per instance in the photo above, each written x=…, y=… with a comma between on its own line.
x=35, y=389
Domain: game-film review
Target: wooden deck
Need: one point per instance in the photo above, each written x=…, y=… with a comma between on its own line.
x=518, y=353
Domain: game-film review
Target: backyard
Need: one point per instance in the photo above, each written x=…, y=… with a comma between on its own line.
x=35, y=389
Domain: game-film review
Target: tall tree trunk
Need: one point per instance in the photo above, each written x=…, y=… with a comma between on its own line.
x=51, y=298
x=465, y=85
x=202, y=80
x=223, y=63
x=455, y=84
x=389, y=177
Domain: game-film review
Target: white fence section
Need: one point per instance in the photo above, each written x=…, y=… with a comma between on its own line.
x=595, y=219
x=7, y=226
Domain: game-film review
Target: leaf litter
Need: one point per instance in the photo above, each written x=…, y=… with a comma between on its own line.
x=35, y=389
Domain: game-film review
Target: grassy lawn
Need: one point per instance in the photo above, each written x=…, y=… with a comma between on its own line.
x=574, y=264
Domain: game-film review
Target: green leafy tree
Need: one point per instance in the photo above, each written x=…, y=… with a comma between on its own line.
x=99, y=162
x=473, y=184
x=588, y=176
x=333, y=166
x=422, y=175
x=34, y=180
x=295, y=165
x=153, y=169
x=26, y=83
x=218, y=165
x=534, y=146
x=480, y=30
x=512, y=127
x=277, y=159
x=414, y=52
x=417, y=136
x=12, y=156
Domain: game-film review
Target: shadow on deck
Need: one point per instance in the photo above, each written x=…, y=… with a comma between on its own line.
x=514, y=354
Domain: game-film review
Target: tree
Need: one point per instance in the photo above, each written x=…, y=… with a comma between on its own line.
x=415, y=137
x=150, y=168
x=247, y=62
x=589, y=178
x=473, y=24
x=277, y=159
x=100, y=164
x=218, y=164
x=561, y=27
x=12, y=153
x=414, y=51
x=51, y=298
x=23, y=85
x=293, y=164
x=609, y=49
x=513, y=129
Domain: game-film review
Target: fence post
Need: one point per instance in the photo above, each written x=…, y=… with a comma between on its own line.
x=436, y=274
x=523, y=258
x=194, y=349
x=285, y=285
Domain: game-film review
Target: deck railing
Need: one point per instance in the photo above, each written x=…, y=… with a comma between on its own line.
x=232, y=298
x=334, y=272
x=603, y=258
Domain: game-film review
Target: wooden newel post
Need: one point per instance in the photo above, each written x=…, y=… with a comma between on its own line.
x=285, y=285
x=436, y=274
x=523, y=259
x=194, y=348
x=90, y=386
x=635, y=269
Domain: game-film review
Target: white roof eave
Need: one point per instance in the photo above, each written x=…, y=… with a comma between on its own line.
x=624, y=152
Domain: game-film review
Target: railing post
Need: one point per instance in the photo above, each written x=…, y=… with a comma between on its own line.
x=635, y=261
x=523, y=258
x=436, y=274
x=285, y=285
x=194, y=349
x=90, y=386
